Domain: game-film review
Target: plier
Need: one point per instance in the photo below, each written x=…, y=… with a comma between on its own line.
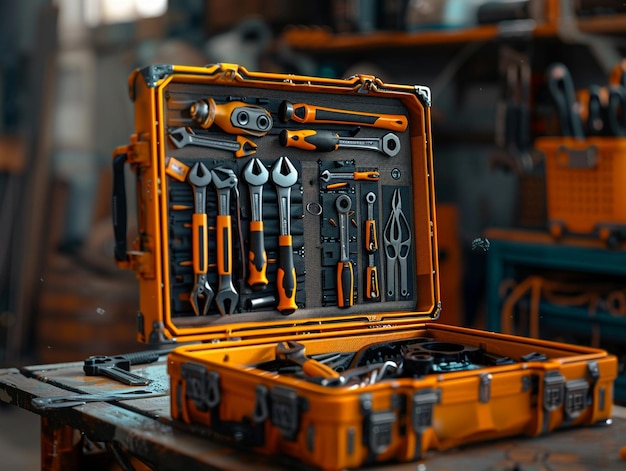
x=397, y=237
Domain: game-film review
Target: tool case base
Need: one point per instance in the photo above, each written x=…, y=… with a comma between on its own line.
x=287, y=239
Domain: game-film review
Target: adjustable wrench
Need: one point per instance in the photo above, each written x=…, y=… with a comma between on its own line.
x=326, y=141
x=284, y=176
x=372, y=290
x=225, y=181
x=256, y=175
x=199, y=178
x=327, y=176
x=184, y=136
x=345, y=273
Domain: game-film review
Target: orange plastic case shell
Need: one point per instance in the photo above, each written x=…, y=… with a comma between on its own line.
x=215, y=383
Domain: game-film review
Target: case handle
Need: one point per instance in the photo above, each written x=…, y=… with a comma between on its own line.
x=119, y=204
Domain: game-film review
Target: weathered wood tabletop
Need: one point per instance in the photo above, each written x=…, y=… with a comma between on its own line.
x=144, y=428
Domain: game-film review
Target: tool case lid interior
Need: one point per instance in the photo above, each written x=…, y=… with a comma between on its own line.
x=154, y=90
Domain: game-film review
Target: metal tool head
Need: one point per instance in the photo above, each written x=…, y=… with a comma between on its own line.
x=325, y=176
x=201, y=291
x=255, y=173
x=199, y=175
x=248, y=147
x=181, y=137
x=396, y=201
x=226, y=300
x=284, y=174
x=343, y=203
x=370, y=197
x=289, y=350
x=390, y=144
x=224, y=177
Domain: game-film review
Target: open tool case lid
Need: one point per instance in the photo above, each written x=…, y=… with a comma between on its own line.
x=162, y=96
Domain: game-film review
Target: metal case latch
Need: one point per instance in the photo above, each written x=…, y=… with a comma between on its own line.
x=576, y=392
x=377, y=426
x=422, y=410
x=202, y=386
x=286, y=407
x=553, y=384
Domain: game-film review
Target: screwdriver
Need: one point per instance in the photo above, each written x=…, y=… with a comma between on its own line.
x=304, y=113
x=345, y=273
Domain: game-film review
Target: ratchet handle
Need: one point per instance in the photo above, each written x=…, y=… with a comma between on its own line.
x=224, y=245
x=369, y=176
x=345, y=284
x=304, y=113
x=257, y=258
x=200, y=240
x=286, y=276
x=309, y=139
x=372, y=289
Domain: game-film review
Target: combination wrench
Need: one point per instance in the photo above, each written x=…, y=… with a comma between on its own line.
x=372, y=290
x=326, y=141
x=227, y=297
x=199, y=178
x=345, y=273
x=256, y=175
x=185, y=136
x=284, y=176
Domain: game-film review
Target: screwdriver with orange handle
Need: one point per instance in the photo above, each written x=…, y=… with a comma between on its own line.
x=305, y=113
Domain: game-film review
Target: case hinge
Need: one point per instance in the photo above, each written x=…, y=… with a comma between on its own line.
x=138, y=152
x=141, y=260
x=229, y=71
x=424, y=95
x=368, y=82
x=286, y=407
x=377, y=427
x=203, y=386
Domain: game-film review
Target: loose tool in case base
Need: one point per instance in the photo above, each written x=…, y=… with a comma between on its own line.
x=318, y=239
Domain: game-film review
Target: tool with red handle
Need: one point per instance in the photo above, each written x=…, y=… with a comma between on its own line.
x=305, y=113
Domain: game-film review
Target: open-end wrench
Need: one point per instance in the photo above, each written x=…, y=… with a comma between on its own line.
x=227, y=297
x=256, y=175
x=184, y=136
x=326, y=141
x=284, y=176
x=199, y=178
x=345, y=273
x=327, y=176
x=372, y=290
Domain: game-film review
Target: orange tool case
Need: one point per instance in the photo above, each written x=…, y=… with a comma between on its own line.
x=286, y=237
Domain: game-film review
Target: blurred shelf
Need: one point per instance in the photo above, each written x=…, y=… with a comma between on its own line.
x=321, y=39
x=603, y=24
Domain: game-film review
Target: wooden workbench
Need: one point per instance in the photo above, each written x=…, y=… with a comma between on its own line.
x=143, y=427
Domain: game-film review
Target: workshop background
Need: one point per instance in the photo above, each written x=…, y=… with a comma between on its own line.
x=528, y=244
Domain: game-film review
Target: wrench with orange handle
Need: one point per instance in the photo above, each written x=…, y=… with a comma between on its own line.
x=295, y=352
x=305, y=113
